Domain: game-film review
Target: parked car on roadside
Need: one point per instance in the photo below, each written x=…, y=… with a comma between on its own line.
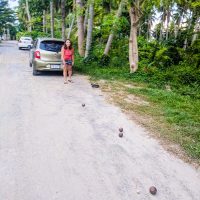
x=45, y=55
x=25, y=42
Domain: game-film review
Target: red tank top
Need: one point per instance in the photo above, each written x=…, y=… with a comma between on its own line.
x=68, y=54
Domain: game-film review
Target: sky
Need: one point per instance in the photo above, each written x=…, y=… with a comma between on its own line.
x=13, y=3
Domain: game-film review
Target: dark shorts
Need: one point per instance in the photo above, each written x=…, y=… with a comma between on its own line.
x=68, y=62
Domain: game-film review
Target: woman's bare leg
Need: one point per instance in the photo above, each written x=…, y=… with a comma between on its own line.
x=69, y=68
x=65, y=73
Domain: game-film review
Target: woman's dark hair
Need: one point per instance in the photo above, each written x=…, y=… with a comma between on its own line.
x=65, y=46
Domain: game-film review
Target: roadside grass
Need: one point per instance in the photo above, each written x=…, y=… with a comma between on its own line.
x=165, y=112
x=181, y=112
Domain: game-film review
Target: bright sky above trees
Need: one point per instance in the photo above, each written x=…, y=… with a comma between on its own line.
x=13, y=3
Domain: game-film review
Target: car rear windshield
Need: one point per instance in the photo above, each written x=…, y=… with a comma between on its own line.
x=54, y=46
x=26, y=38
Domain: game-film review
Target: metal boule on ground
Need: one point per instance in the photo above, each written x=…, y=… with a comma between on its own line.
x=121, y=134
x=153, y=190
x=121, y=129
x=94, y=85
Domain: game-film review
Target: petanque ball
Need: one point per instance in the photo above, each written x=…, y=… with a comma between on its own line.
x=94, y=85
x=120, y=134
x=120, y=129
x=153, y=190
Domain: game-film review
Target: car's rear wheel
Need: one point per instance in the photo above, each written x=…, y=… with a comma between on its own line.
x=35, y=72
x=30, y=64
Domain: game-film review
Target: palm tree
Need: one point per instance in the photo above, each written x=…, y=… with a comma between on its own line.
x=63, y=18
x=134, y=13
x=29, y=16
x=52, y=17
x=111, y=36
x=90, y=28
x=80, y=21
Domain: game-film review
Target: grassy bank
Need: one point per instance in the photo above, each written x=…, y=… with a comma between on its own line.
x=169, y=110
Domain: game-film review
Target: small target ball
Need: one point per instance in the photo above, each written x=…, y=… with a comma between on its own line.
x=121, y=134
x=120, y=129
x=83, y=105
x=153, y=190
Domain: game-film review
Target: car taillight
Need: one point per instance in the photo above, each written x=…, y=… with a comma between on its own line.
x=37, y=54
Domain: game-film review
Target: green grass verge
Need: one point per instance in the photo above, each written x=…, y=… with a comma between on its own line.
x=181, y=112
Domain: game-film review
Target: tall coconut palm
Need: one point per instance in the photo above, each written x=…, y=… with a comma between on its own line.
x=52, y=17
x=168, y=20
x=29, y=16
x=80, y=21
x=135, y=13
x=178, y=21
x=63, y=18
x=90, y=28
x=86, y=19
x=111, y=36
x=133, y=46
x=71, y=25
x=45, y=6
x=196, y=30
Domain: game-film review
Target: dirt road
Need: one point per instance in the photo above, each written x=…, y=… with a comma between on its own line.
x=51, y=148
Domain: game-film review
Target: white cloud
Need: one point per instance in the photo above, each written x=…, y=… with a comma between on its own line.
x=13, y=3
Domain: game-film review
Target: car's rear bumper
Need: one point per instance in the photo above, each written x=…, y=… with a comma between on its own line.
x=47, y=66
x=22, y=45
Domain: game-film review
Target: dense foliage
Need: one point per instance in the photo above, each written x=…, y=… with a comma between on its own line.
x=7, y=19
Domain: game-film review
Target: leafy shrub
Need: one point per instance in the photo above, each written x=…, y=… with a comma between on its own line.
x=33, y=34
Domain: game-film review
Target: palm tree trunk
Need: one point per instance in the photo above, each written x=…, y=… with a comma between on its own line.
x=140, y=29
x=90, y=28
x=71, y=26
x=161, y=26
x=63, y=18
x=196, y=31
x=73, y=19
x=47, y=29
x=177, y=25
x=168, y=20
x=44, y=21
x=149, y=28
x=110, y=38
x=163, y=18
x=133, y=46
x=29, y=16
x=52, y=18
x=185, y=45
x=108, y=44
x=86, y=20
x=80, y=21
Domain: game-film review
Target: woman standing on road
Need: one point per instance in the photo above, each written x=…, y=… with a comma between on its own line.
x=67, y=56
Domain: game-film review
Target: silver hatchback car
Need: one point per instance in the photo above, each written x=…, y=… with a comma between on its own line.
x=45, y=55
